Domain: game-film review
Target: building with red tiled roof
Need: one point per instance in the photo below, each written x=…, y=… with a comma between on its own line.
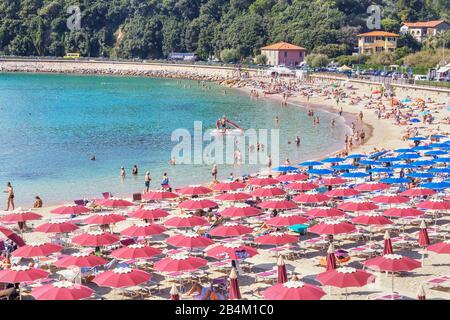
x=421, y=30
x=377, y=41
x=284, y=53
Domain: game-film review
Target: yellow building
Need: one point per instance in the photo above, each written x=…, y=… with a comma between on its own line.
x=377, y=41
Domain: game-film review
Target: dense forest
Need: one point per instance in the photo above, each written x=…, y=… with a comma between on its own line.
x=150, y=29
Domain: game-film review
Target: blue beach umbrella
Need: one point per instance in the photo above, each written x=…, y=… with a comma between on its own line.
x=368, y=162
x=436, y=185
x=442, y=160
x=403, y=166
x=408, y=156
x=356, y=156
x=414, y=120
x=285, y=168
x=333, y=160
x=355, y=175
x=389, y=159
x=381, y=170
x=320, y=171
x=344, y=167
x=438, y=136
x=422, y=163
x=405, y=150
x=421, y=175
x=440, y=170
x=435, y=153
x=393, y=180
x=418, y=139
x=420, y=148
x=310, y=164
x=438, y=145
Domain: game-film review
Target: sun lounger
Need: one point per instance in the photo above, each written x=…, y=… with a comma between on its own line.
x=392, y=296
x=5, y=294
x=443, y=281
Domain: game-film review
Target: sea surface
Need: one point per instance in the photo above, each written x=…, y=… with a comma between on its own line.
x=51, y=125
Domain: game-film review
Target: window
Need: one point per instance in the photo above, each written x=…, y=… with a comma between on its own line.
x=379, y=49
x=285, y=54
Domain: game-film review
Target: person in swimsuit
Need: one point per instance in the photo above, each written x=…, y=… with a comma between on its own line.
x=135, y=170
x=10, y=192
x=165, y=182
x=214, y=172
x=147, y=180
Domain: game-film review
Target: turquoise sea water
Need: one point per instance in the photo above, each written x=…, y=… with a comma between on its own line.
x=51, y=124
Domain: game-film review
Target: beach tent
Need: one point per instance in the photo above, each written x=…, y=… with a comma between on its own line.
x=280, y=71
x=344, y=68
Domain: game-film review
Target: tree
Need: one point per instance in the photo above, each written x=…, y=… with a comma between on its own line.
x=390, y=25
x=229, y=55
x=408, y=41
x=261, y=59
x=382, y=58
x=317, y=60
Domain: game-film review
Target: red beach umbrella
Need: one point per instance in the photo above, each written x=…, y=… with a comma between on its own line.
x=332, y=181
x=80, y=259
x=418, y=192
x=293, y=290
x=403, y=212
x=292, y=177
x=149, y=214
x=234, y=196
x=387, y=249
x=196, y=204
x=143, y=230
x=311, y=198
x=331, y=258
x=115, y=203
x=371, y=219
x=136, y=251
x=240, y=210
x=174, y=294
x=185, y=221
x=441, y=247
x=345, y=277
x=376, y=92
x=230, y=229
x=342, y=192
x=268, y=192
x=57, y=227
x=20, y=216
x=332, y=227
x=38, y=249
x=121, y=278
x=179, y=263
x=104, y=218
x=19, y=274
x=390, y=198
x=155, y=195
x=302, y=186
x=71, y=209
x=277, y=204
x=358, y=206
x=235, y=293
x=434, y=205
x=95, y=239
x=372, y=186
x=194, y=191
x=12, y=236
x=189, y=240
x=424, y=240
x=286, y=219
x=262, y=182
x=276, y=238
x=281, y=268
x=229, y=186
x=231, y=250
x=324, y=212
x=63, y=290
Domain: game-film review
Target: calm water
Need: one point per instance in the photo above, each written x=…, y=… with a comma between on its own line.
x=51, y=124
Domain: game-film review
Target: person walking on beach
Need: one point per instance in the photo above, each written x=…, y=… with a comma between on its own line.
x=147, y=180
x=10, y=200
x=214, y=172
x=165, y=182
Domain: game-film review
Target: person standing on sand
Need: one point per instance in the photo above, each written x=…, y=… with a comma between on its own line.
x=147, y=180
x=214, y=172
x=10, y=199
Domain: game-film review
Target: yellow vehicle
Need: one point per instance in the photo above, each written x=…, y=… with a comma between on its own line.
x=72, y=55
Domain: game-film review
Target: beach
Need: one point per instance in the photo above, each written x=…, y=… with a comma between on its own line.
x=384, y=127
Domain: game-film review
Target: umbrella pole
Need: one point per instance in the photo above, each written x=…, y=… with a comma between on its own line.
x=392, y=282
x=346, y=294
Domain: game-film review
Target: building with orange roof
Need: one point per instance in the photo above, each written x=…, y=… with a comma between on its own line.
x=421, y=30
x=283, y=53
x=377, y=41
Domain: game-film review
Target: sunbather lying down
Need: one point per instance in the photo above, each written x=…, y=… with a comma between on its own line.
x=204, y=293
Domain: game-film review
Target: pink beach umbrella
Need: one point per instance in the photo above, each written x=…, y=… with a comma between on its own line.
x=80, y=259
x=324, y=212
x=142, y=230
x=189, y=240
x=115, y=203
x=276, y=238
x=293, y=290
x=240, y=210
x=230, y=250
x=418, y=192
x=95, y=239
x=185, y=221
x=104, y=218
x=313, y=197
x=20, y=216
x=332, y=181
x=332, y=227
x=234, y=196
x=194, y=191
x=331, y=258
x=230, y=229
x=62, y=290
x=262, y=182
x=281, y=268
x=345, y=277
x=390, y=199
x=229, y=186
x=424, y=240
x=180, y=262
x=268, y=192
x=136, y=251
x=441, y=247
x=19, y=274
x=435, y=205
x=372, y=186
x=235, y=293
x=174, y=293
x=280, y=204
x=401, y=212
x=421, y=293
x=302, y=186
x=57, y=227
x=371, y=219
x=342, y=192
x=197, y=204
x=38, y=249
x=149, y=214
x=286, y=219
x=292, y=177
x=387, y=249
x=158, y=195
x=121, y=278
x=71, y=209
x=358, y=206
